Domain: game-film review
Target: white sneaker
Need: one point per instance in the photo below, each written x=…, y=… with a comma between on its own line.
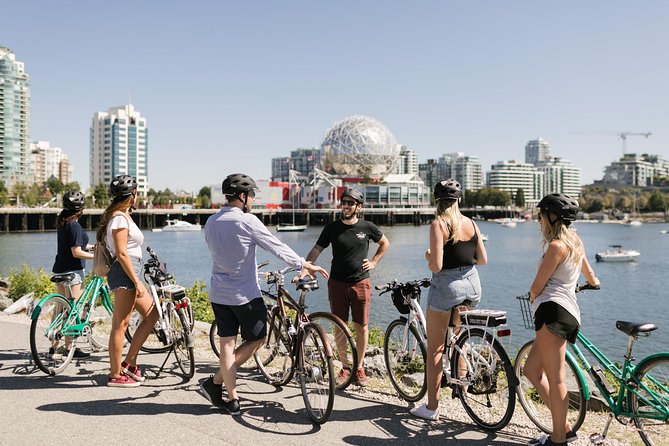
x=423, y=412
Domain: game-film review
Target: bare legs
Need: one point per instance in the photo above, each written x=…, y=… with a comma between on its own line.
x=361, y=339
x=437, y=323
x=231, y=358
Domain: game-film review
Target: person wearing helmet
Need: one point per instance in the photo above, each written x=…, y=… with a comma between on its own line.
x=121, y=236
x=556, y=314
x=73, y=251
x=456, y=249
x=232, y=236
x=349, y=287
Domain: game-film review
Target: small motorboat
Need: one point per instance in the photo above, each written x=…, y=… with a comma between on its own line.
x=291, y=228
x=632, y=223
x=484, y=237
x=509, y=223
x=617, y=254
x=180, y=226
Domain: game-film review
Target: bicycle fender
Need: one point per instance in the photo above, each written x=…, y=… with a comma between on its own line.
x=579, y=374
x=38, y=308
x=652, y=357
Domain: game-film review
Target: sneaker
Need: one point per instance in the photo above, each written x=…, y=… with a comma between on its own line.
x=343, y=376
x=541, y=439
x=132, y=370
x=80, y=354
x=213, y=392
x=232, y=406
x=423, y=412
x=57, y=353
x=361, y=377
x=122, y=381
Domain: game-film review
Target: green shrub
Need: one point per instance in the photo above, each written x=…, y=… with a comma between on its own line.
x=27, y=281
x=200, y=301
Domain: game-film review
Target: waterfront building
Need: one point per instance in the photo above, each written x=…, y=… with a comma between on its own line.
x=635, y=170
x=560, y=176
x=537, y=151
x=119, y=145
x=47, y=162
x=407, y=161
x=431, y=171
x=467, y=170
x=14, y=119
x=513, y=175
x=302, y=160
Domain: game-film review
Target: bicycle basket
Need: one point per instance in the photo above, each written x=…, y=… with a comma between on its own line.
x=526, y=310
x=401, y=296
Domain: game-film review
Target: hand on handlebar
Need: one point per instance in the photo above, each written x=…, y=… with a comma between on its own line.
x=309, y=269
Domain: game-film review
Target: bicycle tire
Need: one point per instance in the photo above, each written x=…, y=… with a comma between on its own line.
x=214, y=339
x=316, y=373
x=183, y=344
x=340, y=339
x=653, y=374
x=274, y=357
x=156, y=342
x=533, y=405
x=100, y=320
x=46, y=337
x=490, y=397
x=404, y=355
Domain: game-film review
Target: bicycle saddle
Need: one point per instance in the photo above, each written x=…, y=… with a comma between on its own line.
x=60, y=278
x=307, y=284
x=634, y=328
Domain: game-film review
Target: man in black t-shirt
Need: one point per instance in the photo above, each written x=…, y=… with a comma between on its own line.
x=349, y=286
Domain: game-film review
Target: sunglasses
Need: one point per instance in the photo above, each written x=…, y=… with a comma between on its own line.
x=348, y=203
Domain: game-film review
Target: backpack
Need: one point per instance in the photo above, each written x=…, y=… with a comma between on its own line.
x=102, y=260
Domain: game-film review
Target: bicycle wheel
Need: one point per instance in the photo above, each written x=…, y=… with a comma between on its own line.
x=274, y=357
x=316, y=374
x=405, y=355
x=101, y=321
x=47, y=344
x=534, y=406
x=156, y=342
x=652, y=400
x=214, y=340
x=183, y=345
x=490, y=395
x=344, y=351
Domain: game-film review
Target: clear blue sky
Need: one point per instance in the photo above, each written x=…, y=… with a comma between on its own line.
x=226, y=86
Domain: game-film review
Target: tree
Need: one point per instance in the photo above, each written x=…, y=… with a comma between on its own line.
x=72, y=187
x=54, y=185
x=519, y=199
x=657, y=202
x=101, y=196
x=205, y=192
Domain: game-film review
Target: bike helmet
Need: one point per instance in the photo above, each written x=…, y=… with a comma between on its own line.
x=352, y=193
x=561, y=205
x=447, y=190
x=73, y=201
x=122, y=186
x=237, y=183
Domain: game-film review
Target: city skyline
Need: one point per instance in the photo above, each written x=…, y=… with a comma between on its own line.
x=227, y=86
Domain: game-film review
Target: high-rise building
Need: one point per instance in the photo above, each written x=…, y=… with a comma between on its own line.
x=560, y=176
x=467, y=170
x=536, y=151
x=407, y=162
x=635, y=170
x=513, y=175
x=119, y=145
x=302, y=160
x=14, y=119
x=47, y=162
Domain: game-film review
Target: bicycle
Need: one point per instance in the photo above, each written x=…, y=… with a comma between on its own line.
x=345, y=353
x=298, y=346
x=487, y=387
x=173, y=330
x=57, y=318
x=636, y=394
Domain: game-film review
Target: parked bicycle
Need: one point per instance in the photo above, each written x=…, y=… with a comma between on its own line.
x=476, y=366
x=635, y=394
x=59, y=323
x=173, y=330
x=344, y=352
x=298, y=346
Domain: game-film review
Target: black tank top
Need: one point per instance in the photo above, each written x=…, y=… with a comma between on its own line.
x=462, y=253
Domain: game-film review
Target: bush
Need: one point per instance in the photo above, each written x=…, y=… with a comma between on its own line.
x=27, y=281
x=200, y=301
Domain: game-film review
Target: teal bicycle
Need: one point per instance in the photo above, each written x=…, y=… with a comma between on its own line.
x=636, y=395
x=59, y=323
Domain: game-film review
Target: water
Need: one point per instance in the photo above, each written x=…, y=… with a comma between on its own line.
x=630, y=291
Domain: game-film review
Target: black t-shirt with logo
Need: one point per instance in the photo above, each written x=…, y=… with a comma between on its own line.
x=350, y=246
x=70, y=235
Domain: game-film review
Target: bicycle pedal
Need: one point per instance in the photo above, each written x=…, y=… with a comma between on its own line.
x=597, y=439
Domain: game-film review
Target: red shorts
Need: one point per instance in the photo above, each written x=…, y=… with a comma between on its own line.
x=356, y=296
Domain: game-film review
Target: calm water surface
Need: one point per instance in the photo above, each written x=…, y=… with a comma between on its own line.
x=630, y=291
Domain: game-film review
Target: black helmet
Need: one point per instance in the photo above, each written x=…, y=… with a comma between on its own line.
x=561, y=205
x=73, y=200
x=352, y=193
x=122, y=186
x=447, y=190
x=237, y=183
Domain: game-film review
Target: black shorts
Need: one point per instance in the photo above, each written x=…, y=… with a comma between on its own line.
x=559, y=321
x=250, y=317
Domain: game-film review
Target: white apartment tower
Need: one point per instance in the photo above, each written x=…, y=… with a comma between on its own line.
x=513, y=175
x=537, y=150
x=407, y=162
x=47, y=162
x=561, y=176
x=119, y=145
x=464, y=168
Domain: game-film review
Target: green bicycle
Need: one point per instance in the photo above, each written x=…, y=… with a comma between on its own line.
x=635, y=394
x=59, y=321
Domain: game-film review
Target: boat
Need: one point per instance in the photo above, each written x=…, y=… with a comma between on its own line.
x=509, y=223
x=291, y=227
x=632, y=223
x=484, y=237
x=180, y=226
x=617, y=254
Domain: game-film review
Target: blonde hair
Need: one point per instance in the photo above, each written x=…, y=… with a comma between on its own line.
x=448, y=214
x=107, y=215
x=555, y=229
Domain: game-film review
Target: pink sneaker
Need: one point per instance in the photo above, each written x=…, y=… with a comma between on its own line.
x=132, y=371
x=122, y=381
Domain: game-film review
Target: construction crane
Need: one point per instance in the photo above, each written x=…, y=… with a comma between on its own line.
x=623, y=137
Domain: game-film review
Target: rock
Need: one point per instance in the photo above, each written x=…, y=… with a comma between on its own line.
x=5, y=301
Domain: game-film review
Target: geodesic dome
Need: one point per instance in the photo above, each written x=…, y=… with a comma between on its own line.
x=359, y=146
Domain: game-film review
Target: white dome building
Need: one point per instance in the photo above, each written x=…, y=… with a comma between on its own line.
x=359, y=146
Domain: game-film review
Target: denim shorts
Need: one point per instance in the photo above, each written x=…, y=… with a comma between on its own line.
x=117, y=278
x=452, y=287
x=80, y=274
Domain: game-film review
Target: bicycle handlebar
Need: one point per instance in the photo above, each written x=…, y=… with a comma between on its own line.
x=587, y=286
x=396, y=285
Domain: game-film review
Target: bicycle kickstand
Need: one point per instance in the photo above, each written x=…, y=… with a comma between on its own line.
x=598, y=439
x=167, y=356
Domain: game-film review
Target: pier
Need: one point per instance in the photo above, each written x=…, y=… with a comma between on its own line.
x=44, y=219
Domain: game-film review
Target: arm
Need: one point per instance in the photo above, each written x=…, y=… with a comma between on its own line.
x=435, y=254
x=79, y=253
x=554, y=255
x=588, y=273
x=384, y=244
x=314, y=253
x=481, y=253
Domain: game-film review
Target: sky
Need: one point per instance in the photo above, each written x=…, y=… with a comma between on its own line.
x=227, y=86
